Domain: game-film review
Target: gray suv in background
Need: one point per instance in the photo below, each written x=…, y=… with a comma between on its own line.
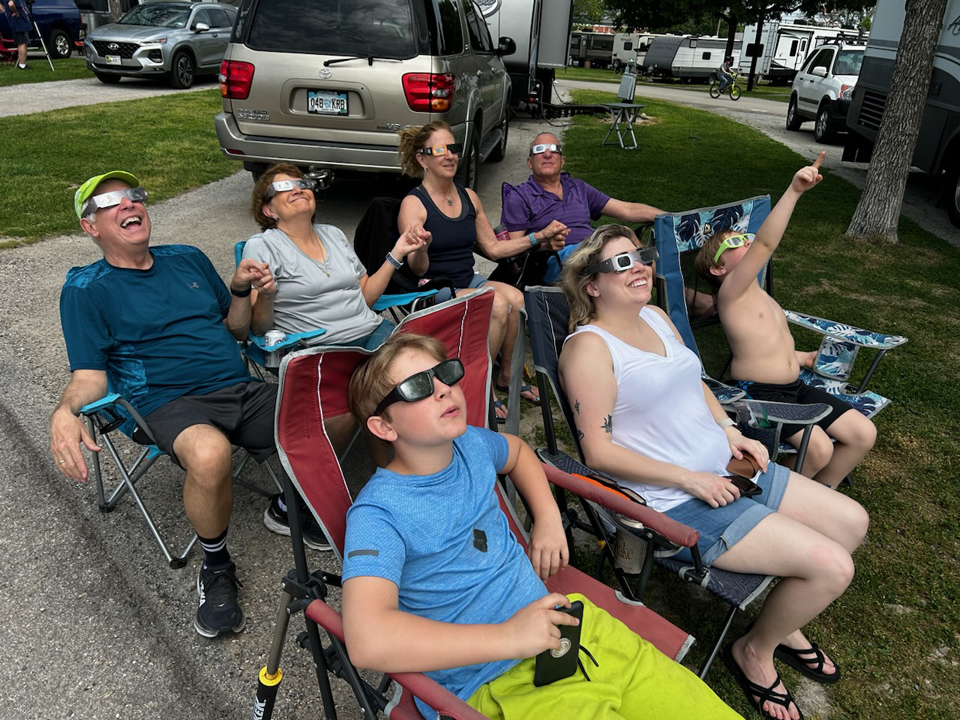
x=175, y=40
x=326, y=84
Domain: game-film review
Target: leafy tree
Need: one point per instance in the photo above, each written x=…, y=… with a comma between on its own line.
x=588, y=12
x=878, y=211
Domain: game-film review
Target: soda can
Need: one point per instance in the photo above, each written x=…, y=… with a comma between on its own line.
x=274, y=337
x=270, y=340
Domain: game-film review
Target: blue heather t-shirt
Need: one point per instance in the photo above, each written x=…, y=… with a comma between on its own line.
x=158, y=333
x=443, y=540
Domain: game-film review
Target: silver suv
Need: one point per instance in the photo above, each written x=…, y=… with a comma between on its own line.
x=326, y=84
x=176, y=40
x=823, y=88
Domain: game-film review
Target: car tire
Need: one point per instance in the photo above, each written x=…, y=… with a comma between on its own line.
x=500, y=151
x=952, y=192
x=183, y=71
x=824, y=129
x=793, y=118
x=107, y=79
x=59, y=44
x=469, y=167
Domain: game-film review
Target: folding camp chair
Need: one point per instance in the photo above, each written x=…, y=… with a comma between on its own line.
x=632, y=561
x=377, y=232
x=680, y=234
x=313, y=386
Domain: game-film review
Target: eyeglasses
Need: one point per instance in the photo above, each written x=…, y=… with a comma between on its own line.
x=552, y=147
x=623, y=261
x=734, y=241
x=452, y=148
x=287, y=185
x=420, y=386
x=110, y=199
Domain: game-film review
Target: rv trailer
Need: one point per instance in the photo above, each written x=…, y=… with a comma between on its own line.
x=784, y=47
x=698, y=57
x=541, y=30
x=593, y=48
x=658, y=62
x=938, y=145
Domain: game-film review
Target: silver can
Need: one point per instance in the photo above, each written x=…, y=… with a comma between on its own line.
x=274, y=337
x=270, y=340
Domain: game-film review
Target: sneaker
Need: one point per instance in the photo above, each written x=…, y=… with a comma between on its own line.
x=219, y=611
x=276, y=521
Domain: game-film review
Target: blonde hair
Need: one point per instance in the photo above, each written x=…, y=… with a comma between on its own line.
x=371, y=381
x=259, y=196
x=572, y=281
x=414, y=139
x=704, y=260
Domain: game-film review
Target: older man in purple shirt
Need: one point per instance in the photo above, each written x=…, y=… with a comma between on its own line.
x=553, y=204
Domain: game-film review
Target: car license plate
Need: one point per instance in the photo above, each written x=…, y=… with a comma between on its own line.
x=113, y=59
x=326, y=102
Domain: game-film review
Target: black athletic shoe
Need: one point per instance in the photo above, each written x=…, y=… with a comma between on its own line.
x=219, y=610
x=276, y=521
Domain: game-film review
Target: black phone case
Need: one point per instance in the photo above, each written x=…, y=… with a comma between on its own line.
x=748, y=488
x=550, y=668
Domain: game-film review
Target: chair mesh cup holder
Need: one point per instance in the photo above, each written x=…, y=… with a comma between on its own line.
x=629, y=551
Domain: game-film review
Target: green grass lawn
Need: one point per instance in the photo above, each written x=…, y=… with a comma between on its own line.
x=170, y=140
x=70, y=68
x=762, y=90
x=896, y=631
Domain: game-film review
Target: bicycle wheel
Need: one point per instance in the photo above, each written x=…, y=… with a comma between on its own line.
x=734, y=92
x=715, y=90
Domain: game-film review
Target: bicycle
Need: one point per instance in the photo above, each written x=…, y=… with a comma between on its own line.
x=733, y=89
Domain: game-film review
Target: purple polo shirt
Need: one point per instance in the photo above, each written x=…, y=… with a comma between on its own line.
x=530, y=208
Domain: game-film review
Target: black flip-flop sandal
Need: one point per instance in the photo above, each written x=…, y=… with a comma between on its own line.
x=799, y=660
x=757, y=694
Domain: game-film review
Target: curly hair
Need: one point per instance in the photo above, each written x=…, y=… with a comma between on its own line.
x=704, y=260
x=371, y=381
x=259, y=195
x=573, y=283
x=412, y=140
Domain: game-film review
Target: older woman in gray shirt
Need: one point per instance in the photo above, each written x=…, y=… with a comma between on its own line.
x=317, y=280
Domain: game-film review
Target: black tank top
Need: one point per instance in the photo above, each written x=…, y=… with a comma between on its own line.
x=451, y=245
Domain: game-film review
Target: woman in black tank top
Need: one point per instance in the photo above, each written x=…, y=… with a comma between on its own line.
x=456, y=220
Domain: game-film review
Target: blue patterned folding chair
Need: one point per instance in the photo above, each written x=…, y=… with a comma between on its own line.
x=631, y=547
x=680, y=234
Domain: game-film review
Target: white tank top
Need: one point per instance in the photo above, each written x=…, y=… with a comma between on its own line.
x=660, y=410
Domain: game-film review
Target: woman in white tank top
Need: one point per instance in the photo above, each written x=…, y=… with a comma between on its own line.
x=645, y=417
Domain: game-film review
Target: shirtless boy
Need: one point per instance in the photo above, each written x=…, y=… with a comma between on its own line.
x=765, y=363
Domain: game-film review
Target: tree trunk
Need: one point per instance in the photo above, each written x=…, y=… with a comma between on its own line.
x=878, y=211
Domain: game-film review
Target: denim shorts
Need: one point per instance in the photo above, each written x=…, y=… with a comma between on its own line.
x=377, y=337
x=723, y=527
x=444, y=294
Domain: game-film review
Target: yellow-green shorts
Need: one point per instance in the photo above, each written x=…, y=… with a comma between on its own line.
x=633, y=680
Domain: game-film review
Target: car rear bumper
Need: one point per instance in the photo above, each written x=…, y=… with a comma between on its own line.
x=326, y=154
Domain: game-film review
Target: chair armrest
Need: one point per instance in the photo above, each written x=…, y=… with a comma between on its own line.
x=847, y=333
x=101, y=404
x=725, y=394
x=439, y=698
x=385, y=302
x=764, y=414
x=289, y=341
x=671, y=530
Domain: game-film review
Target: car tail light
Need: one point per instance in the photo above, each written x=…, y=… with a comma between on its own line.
x=235, y=79
x=429, y=92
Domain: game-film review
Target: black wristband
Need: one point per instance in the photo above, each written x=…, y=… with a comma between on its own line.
x=241, y=293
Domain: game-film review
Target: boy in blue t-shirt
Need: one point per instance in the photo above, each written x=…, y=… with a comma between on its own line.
x=434, y=581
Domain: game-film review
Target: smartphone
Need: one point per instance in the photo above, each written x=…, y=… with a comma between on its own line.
x=553, y=665
x=748, y=488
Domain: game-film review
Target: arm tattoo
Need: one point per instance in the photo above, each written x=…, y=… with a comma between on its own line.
x=576, y=406
x=608, y=424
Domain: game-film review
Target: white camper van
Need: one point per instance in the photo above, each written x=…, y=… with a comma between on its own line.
x=938, y=145
x=783, y=48
x=698, y=57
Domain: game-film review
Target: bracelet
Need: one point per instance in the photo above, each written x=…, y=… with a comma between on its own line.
x=533, y=240
x=727, y=422
x=240, y=293
x=397, y=264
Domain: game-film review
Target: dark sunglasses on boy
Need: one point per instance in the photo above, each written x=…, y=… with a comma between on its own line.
x=624, y=261
x=420, y=386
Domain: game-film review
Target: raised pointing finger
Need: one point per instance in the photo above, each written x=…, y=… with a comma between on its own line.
x=819, y=160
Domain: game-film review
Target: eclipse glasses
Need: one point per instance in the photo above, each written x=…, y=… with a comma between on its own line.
x=110, y=199
x=552, y=147
x=734, y=241
x=623, y=261
x=452, y=148
x=287, y=185
x=420, y=386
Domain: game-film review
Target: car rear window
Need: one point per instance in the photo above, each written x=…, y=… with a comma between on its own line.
x=383, y=28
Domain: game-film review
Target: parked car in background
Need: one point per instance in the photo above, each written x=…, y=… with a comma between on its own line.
x=59, y=24
x=326, y=85
x=176, y=40
x=823, y=88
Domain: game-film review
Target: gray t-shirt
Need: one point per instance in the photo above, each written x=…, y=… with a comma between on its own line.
x=311, y=294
